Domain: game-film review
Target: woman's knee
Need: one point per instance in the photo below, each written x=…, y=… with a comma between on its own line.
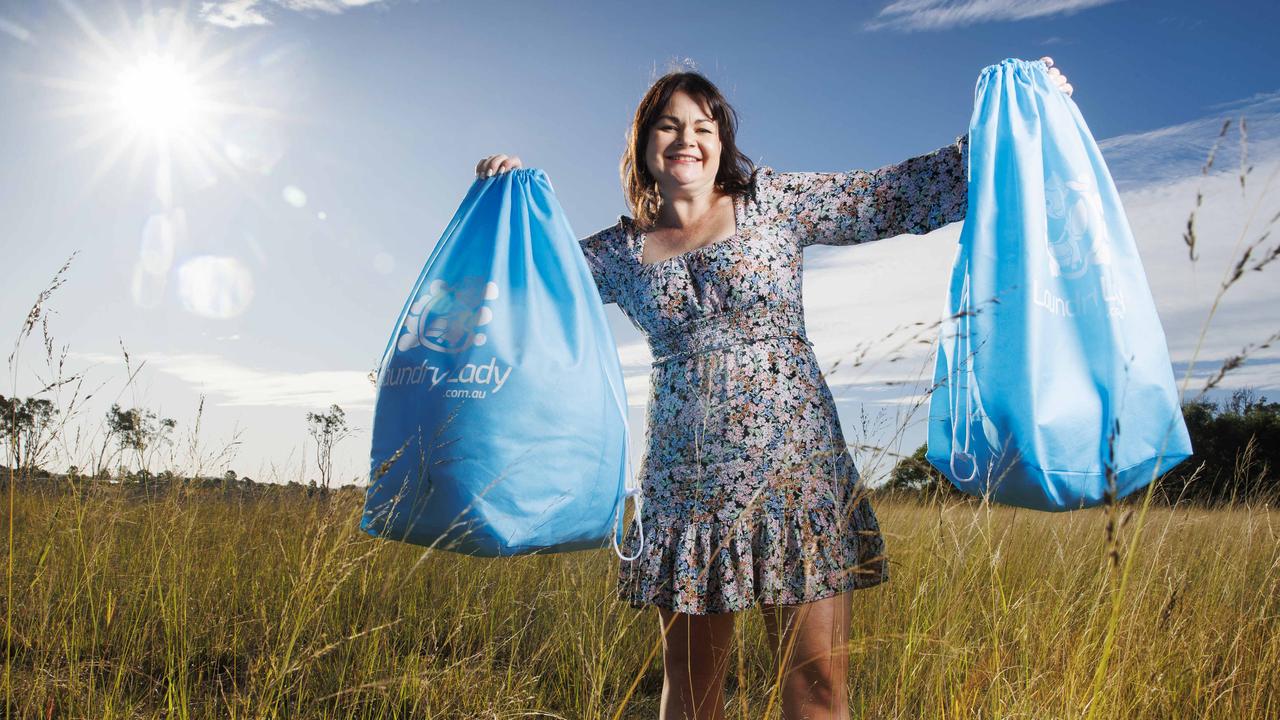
x=816, y=679
x=811, y=641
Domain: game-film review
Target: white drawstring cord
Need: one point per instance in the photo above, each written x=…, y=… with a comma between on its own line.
x=953, y=394
x=631, y=492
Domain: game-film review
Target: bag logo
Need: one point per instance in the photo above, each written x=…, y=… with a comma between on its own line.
x=1077, y=238
x=1077, y=231
x=448, y=318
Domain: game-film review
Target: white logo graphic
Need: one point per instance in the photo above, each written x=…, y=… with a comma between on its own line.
x=1076, y=240
x=1077, y=230
x=448, y=316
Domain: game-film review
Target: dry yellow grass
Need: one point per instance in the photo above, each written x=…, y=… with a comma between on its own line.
x=199, y=603
x=202, y=603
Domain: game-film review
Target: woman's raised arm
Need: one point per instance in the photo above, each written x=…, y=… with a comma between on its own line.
x=847, y=208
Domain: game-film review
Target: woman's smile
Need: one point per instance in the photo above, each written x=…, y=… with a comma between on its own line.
x=684, y=147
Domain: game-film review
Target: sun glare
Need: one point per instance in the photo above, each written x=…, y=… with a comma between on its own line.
x=158, y=89
x=157, y=96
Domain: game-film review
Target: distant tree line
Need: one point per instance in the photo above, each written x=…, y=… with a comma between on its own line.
x=1236, y=446
x=131, y=441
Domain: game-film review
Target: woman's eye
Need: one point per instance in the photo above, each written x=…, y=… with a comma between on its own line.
x=704, y=130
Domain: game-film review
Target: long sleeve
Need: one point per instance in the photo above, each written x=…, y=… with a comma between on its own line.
x=846, y=208
x=597, y=249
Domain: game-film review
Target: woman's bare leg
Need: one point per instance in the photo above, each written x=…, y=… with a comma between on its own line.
x=810, y=644
x=695, y=655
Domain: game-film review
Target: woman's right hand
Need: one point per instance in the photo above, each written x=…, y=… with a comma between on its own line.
x=495, y=164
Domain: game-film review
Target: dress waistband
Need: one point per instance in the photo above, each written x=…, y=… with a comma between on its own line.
x=759, y=321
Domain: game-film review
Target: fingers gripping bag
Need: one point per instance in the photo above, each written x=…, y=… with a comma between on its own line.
x=1053, y=387
x=500, y=423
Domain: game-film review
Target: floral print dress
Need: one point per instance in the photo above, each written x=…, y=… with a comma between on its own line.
x=748, y=491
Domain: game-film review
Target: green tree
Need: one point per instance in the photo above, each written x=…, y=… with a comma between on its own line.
x=27, y=428
x=328, y=429
x=137, y=430
x=916, y=473
x=1235, y=451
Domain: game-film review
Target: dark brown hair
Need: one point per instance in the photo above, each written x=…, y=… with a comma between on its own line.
x=638, y=184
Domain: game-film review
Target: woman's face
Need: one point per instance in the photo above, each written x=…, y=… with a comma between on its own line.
x=684, y=147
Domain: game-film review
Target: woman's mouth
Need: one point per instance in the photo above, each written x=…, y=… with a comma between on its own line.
x=685, y=159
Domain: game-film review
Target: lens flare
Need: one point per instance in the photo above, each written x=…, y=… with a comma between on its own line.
x=214, y=286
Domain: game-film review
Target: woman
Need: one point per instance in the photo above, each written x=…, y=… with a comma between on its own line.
x=749, y=493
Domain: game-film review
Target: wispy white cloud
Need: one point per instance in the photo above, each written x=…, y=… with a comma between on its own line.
x=233, y=13
x=911, y=15
x=246, y=13
x=14, y=30
x=1256, y=100
x=230, y=384
x=637, y=362
x=329, y=6
x=1167, y=154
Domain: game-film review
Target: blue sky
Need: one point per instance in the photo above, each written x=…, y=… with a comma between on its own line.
x=323, y=145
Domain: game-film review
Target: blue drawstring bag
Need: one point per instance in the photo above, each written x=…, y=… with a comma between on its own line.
x=1053, y=386
x=500, y=425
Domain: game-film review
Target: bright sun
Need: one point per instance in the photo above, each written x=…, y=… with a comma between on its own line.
x=157, y=96
x=155, y=91
x=153, y=98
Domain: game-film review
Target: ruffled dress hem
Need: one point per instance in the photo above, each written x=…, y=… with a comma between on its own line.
x=699, y=566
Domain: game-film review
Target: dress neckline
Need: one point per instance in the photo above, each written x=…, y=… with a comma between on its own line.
x=737, y=232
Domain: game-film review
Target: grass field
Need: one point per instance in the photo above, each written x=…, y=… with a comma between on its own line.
x=212, y=603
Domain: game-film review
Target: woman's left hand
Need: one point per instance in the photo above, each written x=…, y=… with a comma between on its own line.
x=1056, y=75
